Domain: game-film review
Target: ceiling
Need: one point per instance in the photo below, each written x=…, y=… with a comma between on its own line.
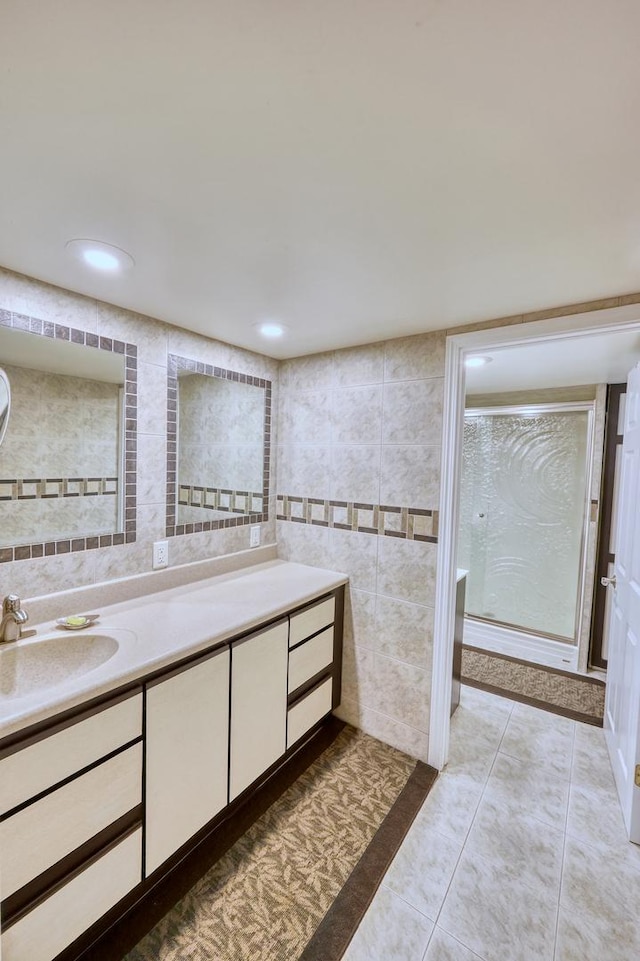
x=587, y=359
x=356, y=169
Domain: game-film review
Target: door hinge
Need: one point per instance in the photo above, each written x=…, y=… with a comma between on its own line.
x=637, y=778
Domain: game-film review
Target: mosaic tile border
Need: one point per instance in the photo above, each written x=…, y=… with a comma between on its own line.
x=129, y=352
x=53, y=488
x=220, y=499
x=175, y=363
x=410, y=523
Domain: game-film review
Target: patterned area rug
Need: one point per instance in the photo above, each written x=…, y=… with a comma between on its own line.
x=573, y=695
x=268, y=894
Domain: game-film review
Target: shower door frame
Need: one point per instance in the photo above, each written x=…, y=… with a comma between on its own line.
x=559, y=407
x=606, y=320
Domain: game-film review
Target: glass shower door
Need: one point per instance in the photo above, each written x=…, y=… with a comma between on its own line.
x=522, y=516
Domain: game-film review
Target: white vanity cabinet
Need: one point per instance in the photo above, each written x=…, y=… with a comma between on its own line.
x=258, y=704
x=187, y=748
x=70, y=826
x=102, y=802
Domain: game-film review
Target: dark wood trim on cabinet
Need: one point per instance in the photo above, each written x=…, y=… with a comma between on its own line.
x=27, y=736
x=338, y=635
x=29, y=896
x=604, y=556
x=118, y=931
x=309, y=686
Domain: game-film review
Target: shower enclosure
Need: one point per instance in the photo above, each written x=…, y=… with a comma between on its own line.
x=523, y=520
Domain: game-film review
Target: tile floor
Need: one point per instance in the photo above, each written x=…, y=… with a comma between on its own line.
x=518, y=854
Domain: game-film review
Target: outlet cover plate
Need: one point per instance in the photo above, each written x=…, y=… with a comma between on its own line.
x=160, y=554
x=254, y=536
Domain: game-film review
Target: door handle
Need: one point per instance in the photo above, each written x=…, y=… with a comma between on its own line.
x=609, y=581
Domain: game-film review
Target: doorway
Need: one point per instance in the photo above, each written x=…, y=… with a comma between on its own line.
x=565, y=332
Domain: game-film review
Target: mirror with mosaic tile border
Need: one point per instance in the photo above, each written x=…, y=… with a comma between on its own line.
x=218, y=443
x=68, y=460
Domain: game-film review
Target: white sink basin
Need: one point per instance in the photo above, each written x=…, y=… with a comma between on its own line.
x=50, y=660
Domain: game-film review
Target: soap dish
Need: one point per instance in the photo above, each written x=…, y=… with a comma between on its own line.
x=75, y=622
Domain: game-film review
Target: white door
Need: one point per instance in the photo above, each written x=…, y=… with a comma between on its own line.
x=622, y=707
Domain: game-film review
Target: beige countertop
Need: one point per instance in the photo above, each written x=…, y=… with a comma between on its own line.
x=158, y=629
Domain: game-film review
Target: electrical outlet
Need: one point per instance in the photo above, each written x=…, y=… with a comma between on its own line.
x=160, y=554
x=254, y=536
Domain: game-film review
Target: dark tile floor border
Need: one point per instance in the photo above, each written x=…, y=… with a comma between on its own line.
x=534, y=702
x=339, y=924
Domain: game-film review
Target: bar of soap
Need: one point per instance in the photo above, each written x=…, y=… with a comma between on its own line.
x=76, y=620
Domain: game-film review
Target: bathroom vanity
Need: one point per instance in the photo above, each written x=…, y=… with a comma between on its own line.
x=110, y=778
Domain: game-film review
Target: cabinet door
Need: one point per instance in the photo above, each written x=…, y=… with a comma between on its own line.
x=187, y=748
x=258, y=705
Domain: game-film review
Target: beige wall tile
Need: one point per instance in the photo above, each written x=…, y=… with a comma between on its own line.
x=27, y=296
x=414, y=358
x=152, y=466
x=303, y=543
x=355, y=474
x=406, y=570
x=48, y=575
x=357, y=415
x=359, y=365
x=360, y=626
x=354, y=554
x=150, y=336
x=308, y=373
x=404, y=631
x=410, y=476
x=152, y=383
x=358, y=679
x=306, y=417
x=304, y=471
x=402, y=691
x=387, y=729
x=412, y=412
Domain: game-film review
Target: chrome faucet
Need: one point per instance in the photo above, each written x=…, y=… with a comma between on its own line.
x=13, y=617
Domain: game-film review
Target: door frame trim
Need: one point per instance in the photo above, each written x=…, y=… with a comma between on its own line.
x=458, y=346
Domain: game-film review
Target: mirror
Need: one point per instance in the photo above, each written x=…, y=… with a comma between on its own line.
x=63, y=470
x=5, y=403
x=218, y=434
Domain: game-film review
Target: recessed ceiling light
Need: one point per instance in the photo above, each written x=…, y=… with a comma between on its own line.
x=477, y=361
x=271, y=329
x=100, y=256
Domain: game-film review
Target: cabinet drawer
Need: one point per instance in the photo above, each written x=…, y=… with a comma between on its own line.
x=310, y=658
x=311, y=620
x=39, y=766
x=39, y=835
x=308, y=711
x=62, y=917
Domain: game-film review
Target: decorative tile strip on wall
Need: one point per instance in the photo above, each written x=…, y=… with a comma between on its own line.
x=411, y=523
x=45, y=488
x=220, y=499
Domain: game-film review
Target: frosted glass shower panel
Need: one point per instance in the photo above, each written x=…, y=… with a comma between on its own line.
x=522, y=514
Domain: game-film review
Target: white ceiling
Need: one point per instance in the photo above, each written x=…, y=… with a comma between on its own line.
x=589, y=359
x=358, y=169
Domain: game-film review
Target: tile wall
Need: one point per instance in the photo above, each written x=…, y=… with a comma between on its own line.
x=358, y=491
x=155, y=340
